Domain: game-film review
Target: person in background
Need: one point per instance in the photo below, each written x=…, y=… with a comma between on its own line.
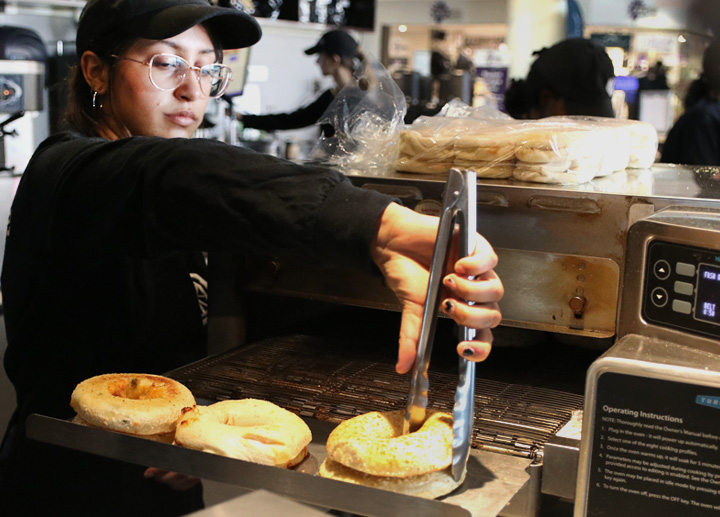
x=694, y=139
x=655, y=79
x=338, y=57
x=573, y=77
x=104, y=271
x=697, y=91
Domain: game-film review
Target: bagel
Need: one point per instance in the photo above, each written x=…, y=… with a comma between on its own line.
x=373, y=443
x=248, y=429
x=131, y=403
x=428, y=486
x=162, y=437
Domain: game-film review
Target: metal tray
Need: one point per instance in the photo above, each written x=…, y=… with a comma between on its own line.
x=491, y=483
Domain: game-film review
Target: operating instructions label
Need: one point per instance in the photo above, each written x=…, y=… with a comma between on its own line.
x=656, y=448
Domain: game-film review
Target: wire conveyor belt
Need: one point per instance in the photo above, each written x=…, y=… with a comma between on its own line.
x=523, y=396
x=519, y=404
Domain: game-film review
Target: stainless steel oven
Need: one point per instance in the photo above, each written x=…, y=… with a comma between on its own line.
x=322, y=342
x=651, y=435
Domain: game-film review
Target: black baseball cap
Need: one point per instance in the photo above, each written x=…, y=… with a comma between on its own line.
x=161, y=19
x=335, y=42
x=578, y=70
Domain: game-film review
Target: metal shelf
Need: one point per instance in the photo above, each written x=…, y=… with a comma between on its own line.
x=492, y=479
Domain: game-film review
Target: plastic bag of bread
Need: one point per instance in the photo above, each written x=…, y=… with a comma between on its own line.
x=641, y=143
x=484, y=111
x=560, y=151
x=547, y=151
x=615, y=137
x=436, y=144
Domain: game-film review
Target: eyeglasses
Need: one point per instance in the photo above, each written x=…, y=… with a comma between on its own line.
x=167, y=72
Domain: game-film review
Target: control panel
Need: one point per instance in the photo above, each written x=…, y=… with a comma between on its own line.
x=682, y=288
x=10, y=93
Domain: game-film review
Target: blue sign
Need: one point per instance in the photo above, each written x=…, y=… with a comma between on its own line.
x=574, y=20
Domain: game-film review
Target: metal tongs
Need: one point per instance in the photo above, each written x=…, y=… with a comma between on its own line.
x=459, y=209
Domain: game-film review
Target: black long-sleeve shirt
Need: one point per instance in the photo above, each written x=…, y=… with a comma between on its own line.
x=103, y=243
x=298, y=119
x=695, y=137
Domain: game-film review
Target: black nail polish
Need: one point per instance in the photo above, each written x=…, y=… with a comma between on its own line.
x=448, y=306
x=468, y=352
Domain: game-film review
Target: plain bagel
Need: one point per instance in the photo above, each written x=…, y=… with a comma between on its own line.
x=428, y=486
x=373, y=443
x=131, y=403
x=247, y=429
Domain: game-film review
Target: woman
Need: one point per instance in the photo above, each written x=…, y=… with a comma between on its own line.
x=572, y=77
x=338, y=57
x=102, y=261
x=694, y=139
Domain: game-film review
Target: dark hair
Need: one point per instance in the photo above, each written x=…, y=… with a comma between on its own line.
x=520, y=98
x=711, y=68
x=80, y=115
x=353, y=63
x=697, y=91
x=576, y=70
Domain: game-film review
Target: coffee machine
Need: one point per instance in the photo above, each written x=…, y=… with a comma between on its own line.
x=22, y=86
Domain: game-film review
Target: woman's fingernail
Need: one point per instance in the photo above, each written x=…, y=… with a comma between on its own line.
x=449, y=281
x=468, y=352
x=449, y=306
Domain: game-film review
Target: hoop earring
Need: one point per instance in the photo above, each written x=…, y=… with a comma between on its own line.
x=95, y=104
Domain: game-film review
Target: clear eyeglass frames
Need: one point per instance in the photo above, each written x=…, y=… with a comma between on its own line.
x=168, y=71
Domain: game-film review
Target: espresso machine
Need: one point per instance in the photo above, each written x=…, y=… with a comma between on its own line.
x=22, y=87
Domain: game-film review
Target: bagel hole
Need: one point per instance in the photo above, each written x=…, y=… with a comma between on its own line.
x=136, y=389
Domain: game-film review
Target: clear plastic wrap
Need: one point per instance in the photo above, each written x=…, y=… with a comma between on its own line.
x=459, y=109
x=366, y=116
x=641, y=143
x=539, y=151
x=565, y=150
x=437, y=144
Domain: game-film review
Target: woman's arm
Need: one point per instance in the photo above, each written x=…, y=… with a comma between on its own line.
x=298, y=119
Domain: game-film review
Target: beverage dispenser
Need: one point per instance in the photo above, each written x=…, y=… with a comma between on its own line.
x=22, y=82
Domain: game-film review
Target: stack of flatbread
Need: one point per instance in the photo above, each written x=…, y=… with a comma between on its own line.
x=565, y=150
x=435, y=145
x=638, y=139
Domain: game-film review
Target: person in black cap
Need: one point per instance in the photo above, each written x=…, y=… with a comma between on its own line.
x=573, y=77
x=694, y=139
x=338, y=57
x=104, y=271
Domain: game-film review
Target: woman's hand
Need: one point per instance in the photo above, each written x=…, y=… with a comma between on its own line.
x=403, y=250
